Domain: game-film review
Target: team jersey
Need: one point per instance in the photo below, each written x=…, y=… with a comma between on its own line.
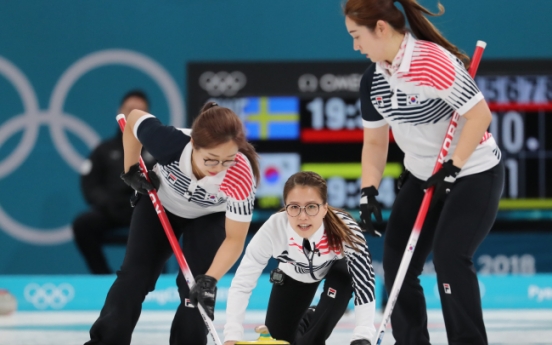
x=418, y=102
x=277, y=239
x=181, y=193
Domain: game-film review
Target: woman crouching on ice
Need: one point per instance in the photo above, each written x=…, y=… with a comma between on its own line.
x=312, y=241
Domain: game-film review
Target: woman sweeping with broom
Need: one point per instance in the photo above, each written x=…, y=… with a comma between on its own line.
x=313, y=242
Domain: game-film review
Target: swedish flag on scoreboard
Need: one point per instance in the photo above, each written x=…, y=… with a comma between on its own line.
x=268, y=118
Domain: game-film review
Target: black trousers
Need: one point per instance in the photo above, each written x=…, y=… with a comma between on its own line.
x=147, y=251
x=289, y=302
x=89, y=230
x=453, y=231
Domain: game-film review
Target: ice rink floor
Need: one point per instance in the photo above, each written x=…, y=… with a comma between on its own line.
x=520, y=327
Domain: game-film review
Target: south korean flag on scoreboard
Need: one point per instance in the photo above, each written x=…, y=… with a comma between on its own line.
x=276, y=168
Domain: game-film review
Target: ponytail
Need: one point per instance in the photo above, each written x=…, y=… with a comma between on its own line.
x=249, y=151
x=368, y=12
x=423, y=29
x=338, y=232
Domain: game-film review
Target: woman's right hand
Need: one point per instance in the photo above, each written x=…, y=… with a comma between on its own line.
x=230, y=342
x=135, y=179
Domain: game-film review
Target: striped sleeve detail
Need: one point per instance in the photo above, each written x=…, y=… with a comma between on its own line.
x=430, y=66
x=359, y=264
x=239, y=186
x=238, y=182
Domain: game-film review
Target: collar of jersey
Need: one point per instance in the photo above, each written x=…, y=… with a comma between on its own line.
x=294, y=237
x=407, y=58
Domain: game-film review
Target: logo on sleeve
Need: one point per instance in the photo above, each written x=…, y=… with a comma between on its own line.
x=412, y=99
x=446, y=287
x=332, y=292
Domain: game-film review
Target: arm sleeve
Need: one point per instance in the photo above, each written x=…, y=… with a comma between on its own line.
x=371, y=118
x=239, y=186
x=164, y=143
x=359, y=264
x=256, y=257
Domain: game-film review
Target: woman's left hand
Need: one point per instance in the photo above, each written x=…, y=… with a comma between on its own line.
x=204, y=292
x=443, y=181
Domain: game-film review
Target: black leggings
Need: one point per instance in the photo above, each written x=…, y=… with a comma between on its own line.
x=147, y=251
x=453, y=231
x=288, y=303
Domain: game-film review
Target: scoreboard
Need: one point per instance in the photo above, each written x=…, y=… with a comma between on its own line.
x=521, y=103
x=306, y=116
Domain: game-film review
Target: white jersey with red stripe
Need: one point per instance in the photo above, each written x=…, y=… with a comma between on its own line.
x=277, y=239
x=181, y=193
x=418, y=102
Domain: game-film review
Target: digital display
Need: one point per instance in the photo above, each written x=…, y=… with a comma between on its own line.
x=275, y=168
x=522, y=118
x=306, y=116
x=332, y=119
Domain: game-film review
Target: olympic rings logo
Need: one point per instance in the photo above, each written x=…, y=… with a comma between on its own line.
x=222, y=83
x=49, y=295
x=58, y=121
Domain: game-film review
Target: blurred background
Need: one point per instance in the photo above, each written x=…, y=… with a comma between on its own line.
x=287, y=67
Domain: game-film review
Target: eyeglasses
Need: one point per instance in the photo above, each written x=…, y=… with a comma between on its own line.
x=215, y=162
x=310, y=209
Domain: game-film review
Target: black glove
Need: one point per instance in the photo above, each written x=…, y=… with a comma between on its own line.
x=135, y=179
x=443, y=181
x=205, y=292
x=369, y=205
x=361, y=342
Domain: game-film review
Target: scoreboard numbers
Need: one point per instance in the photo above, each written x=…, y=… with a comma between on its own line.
x=334, y=113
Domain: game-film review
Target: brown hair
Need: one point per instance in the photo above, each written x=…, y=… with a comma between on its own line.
x=218, y=125
x=336, y=230
x=368, y=12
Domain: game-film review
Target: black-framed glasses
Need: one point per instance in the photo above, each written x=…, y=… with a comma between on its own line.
x=215, y=162
x=310, y=209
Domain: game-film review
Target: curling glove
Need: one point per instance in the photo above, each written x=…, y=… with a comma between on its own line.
x=369, y=205
x=135, y=179
x=205, y=292
x=443, y=181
